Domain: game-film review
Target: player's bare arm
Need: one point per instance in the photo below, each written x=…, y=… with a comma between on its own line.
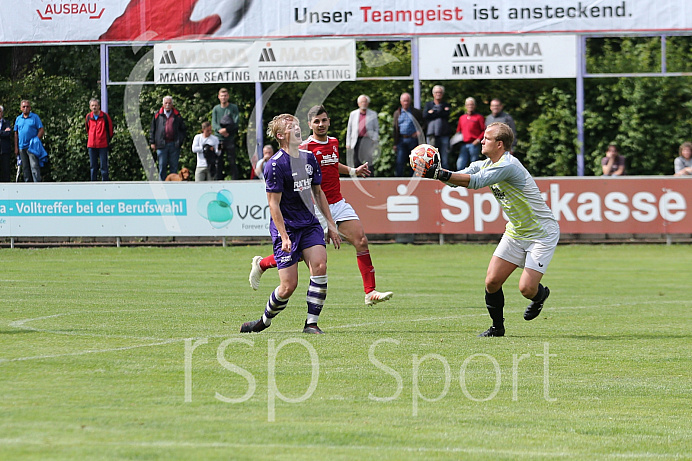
x=363, y=171
x=323, y=205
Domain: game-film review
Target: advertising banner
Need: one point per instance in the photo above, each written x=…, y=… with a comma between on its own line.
x=247, y=61
x=633, y=205
x=54, y=21
x=492, y=57
x=134, y=209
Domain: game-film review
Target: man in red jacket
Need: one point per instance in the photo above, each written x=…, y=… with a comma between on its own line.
x=100, y=131
x=472, y=126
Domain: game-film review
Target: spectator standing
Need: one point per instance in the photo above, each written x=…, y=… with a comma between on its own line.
x=472, y=127
x=224, y=120
x=362, y=133
x=436, y=115
x=5, y=147
x=206, y=146
x=28, y=126
x=683, y=164
x=166, y=135
x=497, y=114
x=267, y=153
x=99, y=127
x=613, y=163
x=407, y=128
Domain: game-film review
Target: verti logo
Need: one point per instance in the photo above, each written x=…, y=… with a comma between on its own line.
x=215, y=207
x=90, y=9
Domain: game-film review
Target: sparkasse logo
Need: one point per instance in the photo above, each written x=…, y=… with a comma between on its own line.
x=90, y=9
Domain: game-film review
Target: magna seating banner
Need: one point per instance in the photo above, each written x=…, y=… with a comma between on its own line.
x=114, y=21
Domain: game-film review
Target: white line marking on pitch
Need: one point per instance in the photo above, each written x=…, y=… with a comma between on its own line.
x=282, y=446
x=22, y=324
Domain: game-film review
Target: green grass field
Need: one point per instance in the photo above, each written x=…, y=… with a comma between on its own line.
x=134, y=353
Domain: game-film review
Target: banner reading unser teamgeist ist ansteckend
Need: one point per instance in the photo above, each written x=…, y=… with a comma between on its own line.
x=53, y=21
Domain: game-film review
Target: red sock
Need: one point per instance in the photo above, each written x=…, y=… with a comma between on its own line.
x=367, y=271
x=268, y=262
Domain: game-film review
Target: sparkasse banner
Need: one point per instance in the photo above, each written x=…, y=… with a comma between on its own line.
x=493, y=57
x=55, y=21
x=581, y=205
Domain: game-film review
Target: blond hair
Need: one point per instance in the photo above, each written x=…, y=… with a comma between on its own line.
x=504, y=134
x=278, y=125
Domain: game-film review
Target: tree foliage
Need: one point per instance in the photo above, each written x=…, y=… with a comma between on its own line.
x=647, y=118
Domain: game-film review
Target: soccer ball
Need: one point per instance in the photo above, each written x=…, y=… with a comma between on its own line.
x=423, y=156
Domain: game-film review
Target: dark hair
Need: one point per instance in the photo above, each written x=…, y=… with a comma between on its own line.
x=315, y=111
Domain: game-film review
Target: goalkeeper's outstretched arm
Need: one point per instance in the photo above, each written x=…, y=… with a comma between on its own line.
x=458, y=179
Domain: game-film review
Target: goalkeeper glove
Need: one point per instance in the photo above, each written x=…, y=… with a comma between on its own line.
x=437, y=172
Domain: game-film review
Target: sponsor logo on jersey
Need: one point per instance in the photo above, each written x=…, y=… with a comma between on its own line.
x=302, y=184
x=329, y=159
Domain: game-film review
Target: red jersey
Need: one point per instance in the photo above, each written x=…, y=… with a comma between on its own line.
x=471, y=126
x=327, y=154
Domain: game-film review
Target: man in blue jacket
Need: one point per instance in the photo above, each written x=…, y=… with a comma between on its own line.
x=27, y=126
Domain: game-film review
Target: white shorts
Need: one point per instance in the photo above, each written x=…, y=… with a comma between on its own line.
x=341, y=211
x=533, y=254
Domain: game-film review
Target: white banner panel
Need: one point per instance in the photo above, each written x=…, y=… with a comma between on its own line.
x=305, y=60
x=493, y=57
x=113, y=209
x=202, y=62
x=235, y=62
x=39, y=21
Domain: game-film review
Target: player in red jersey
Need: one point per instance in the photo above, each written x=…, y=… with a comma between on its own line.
x=326, y=150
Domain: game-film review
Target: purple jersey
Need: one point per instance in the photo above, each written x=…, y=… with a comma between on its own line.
x=293, y=177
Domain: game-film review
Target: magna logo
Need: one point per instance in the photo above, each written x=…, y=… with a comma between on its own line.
x=267, y=55
x=326, y=54
x=72, y=9
x=168, y=58
x=461, y=51
x=495, y=50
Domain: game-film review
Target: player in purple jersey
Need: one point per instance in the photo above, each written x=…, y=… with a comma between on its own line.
x=291, y=176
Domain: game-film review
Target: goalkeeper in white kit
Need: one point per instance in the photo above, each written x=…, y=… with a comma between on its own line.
x=531, y=234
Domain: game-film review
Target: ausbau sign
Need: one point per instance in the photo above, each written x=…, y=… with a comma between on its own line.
x=506, y=57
